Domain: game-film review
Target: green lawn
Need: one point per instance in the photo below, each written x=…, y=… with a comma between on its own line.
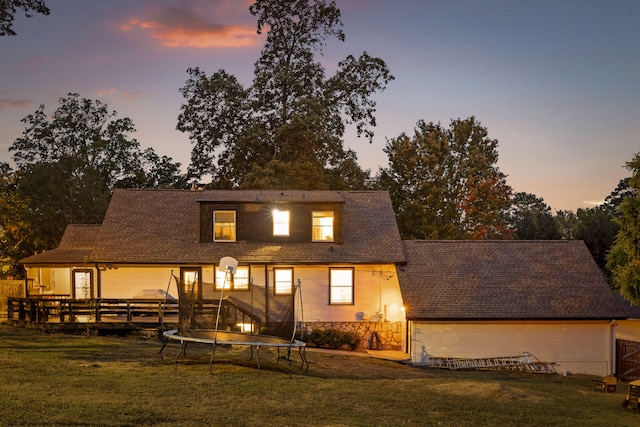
x=60, y=380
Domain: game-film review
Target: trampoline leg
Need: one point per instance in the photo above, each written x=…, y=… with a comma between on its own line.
x=183, y=350
x=164, y=344
x=213, y=355
x=289, y=358
x=303, y=357
x=258, y=357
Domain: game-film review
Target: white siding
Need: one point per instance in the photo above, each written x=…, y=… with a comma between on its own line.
x=376, y=286
x=628, y=330
x=125, y=282
x=49, y=280
x=577, y=347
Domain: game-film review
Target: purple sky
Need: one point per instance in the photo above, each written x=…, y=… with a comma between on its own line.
x=555, y=82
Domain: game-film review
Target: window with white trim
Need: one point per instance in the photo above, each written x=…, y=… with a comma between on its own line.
x=280, y=222
x=340, y=286
x=238, y=281
x=322, y=226
x=224, y=226
x=283, y=281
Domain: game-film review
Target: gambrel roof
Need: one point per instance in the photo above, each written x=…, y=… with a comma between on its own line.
x=510, y=280
x=163, y=227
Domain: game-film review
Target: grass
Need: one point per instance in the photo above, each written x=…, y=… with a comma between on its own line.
x=59, y=380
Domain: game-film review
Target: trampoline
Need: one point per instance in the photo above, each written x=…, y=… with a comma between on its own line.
x=214, y=337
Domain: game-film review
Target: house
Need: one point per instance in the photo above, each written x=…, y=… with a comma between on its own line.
x=428, y=298
x=474, y=299
x=342, y=247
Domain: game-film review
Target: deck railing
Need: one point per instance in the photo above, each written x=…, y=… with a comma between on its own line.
x=48, y=309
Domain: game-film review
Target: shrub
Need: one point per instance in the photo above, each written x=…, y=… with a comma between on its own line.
x=333, y=338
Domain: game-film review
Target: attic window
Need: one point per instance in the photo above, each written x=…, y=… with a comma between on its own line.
x=322, y=226
x=280, y=222
x=224, y=226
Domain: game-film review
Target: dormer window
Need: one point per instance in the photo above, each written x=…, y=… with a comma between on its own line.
x=224, y=226
x=280, y=223
x=322, y=226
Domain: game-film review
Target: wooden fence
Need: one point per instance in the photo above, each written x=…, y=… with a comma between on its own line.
x=9, y=289
x=628, y=360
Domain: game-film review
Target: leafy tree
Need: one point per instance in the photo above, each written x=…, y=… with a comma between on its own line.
x=597, y=228
x=624, y=258
x=88, y=143
x=567, y=224
x=286, y=130
x=613, y=201
x=68, y=165
x=531, y=218
x=444, y=183
x=8, y=9
x=14, y=230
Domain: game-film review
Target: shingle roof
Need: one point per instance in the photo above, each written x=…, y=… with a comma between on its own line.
x=162, y=226
x=522, y=279
x=632, y=311
x=75, y=246
x=79, y=236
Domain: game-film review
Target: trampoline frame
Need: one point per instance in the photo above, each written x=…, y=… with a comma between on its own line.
x=215, y=338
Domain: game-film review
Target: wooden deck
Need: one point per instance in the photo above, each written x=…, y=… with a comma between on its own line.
x=60, y=312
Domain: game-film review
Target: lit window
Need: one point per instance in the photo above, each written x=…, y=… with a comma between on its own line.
x=283, y=281
x=341, y=285
x=280, y=223
x=190, y=282
x=241, y=278
x=224, y=226
x=238, y=281
x=322, y=226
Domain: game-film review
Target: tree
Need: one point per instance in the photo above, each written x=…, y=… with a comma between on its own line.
x=444, y=183
x=88, y=142
x=567, y=224
x=286, y=130
x=14, y=230
x=623, y=259
x=8, y=9
x=597, y=227
x=68, y=165
x=531, y=218
x=613, y=201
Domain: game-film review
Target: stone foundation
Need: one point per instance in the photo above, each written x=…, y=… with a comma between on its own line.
x=375, y=335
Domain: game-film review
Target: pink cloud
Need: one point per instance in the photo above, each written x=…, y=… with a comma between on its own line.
x=35, y=63
x=177, y=27
x=117, y=93
x=6, y=104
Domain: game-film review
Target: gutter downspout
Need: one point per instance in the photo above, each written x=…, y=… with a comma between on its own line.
x=612, y=348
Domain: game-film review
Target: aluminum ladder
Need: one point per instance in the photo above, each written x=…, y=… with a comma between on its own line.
x=524, y=362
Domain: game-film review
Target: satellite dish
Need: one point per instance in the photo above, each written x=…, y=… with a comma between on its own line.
x=228, y=264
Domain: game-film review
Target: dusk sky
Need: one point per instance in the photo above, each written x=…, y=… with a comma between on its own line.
x=556, y=82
